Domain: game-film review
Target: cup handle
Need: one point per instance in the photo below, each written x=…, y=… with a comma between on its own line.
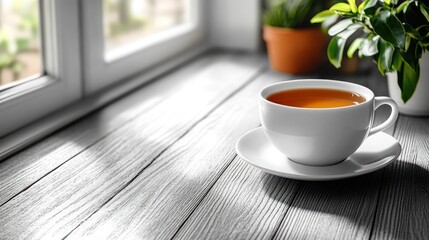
x=393, y=115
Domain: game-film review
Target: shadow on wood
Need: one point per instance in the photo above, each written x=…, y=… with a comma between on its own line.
x=346, y=208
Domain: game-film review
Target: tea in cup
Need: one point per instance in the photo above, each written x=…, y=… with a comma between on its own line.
x=320, y=122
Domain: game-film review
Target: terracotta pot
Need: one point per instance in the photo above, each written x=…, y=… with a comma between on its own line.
x=418, y=104
x=296, y=51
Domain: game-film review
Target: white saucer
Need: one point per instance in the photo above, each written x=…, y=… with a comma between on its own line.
x=376, y=152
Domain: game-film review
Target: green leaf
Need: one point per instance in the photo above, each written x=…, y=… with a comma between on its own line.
x=400, y=75
x=362, y=5
x=423, y=26
x=335, y=51
x=328, y=23
x=340, y=26
x=354, y=46
x=353, y=6
x=322, y=16
x=397, y=60
x=418, y=51
x=386, y=1
x=369, y=4
x=403, y=7
x=341, y=7
x=349, y=31
x=424, y=11
x=411, y=31
x=275, y=17
x=414, y=53
x=389, y=28
x=409, y=58
x=369, y=47
x=409, y=79
x=407, y=42
x=385, y=56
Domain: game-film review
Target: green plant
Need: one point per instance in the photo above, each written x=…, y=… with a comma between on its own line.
x=10, y=47
x=291, y=13
x=394, y=33
x=12, y=44
x=27, y=12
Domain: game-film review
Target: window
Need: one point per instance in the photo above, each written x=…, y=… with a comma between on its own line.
x=127, y=24
x=20, y=52
x=56, y=52
x=39, y=59
x=124, y=37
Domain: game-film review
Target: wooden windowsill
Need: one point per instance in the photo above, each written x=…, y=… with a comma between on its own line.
x=159, y=163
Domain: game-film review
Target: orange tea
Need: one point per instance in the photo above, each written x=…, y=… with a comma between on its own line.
x=316, y=98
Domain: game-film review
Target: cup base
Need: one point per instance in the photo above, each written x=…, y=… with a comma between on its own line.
x=317, y=165
x=378, y=151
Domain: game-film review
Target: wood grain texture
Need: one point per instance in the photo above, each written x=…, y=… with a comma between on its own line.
x=332, y=210
x=154, y=166
x=404, y=198
x=20, y=171
x=56, y=204
x=160, y=199
x=245, y=203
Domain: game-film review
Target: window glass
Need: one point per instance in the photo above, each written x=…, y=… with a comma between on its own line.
x=20, y=51
x=130, y=21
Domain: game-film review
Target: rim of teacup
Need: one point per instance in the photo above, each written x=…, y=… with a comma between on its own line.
x=369, y=95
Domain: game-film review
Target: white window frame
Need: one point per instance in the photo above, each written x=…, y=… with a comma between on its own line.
x=100, y=72
x=75, y=67
x=61, y=83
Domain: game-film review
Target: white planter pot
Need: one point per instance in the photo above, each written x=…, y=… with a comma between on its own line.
x=418, y=104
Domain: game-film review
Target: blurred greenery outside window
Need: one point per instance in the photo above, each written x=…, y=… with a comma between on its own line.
x=20, y=51
x=129, y=21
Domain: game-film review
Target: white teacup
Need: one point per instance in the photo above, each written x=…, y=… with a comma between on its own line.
x=321, y=136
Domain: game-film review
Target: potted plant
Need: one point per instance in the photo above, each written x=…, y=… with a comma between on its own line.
x=294, y=45
x=395, y=34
